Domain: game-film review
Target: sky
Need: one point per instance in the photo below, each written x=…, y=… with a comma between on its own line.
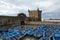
x=50, y=8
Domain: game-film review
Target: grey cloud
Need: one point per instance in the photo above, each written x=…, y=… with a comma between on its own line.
x=52, y=11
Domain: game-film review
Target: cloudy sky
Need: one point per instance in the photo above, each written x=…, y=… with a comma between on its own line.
x=50, y=8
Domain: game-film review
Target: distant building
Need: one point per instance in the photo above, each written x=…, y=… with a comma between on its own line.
x=52, y=20
x=34, y=15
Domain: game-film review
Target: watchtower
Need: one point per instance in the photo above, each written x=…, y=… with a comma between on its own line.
x=36, y=14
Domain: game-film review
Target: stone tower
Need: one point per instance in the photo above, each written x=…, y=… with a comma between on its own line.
x=35, y=14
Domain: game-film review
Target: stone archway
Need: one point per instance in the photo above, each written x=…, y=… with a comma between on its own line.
x=22, y=22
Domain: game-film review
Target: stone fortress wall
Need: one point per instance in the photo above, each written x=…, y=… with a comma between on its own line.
x=21, y=19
